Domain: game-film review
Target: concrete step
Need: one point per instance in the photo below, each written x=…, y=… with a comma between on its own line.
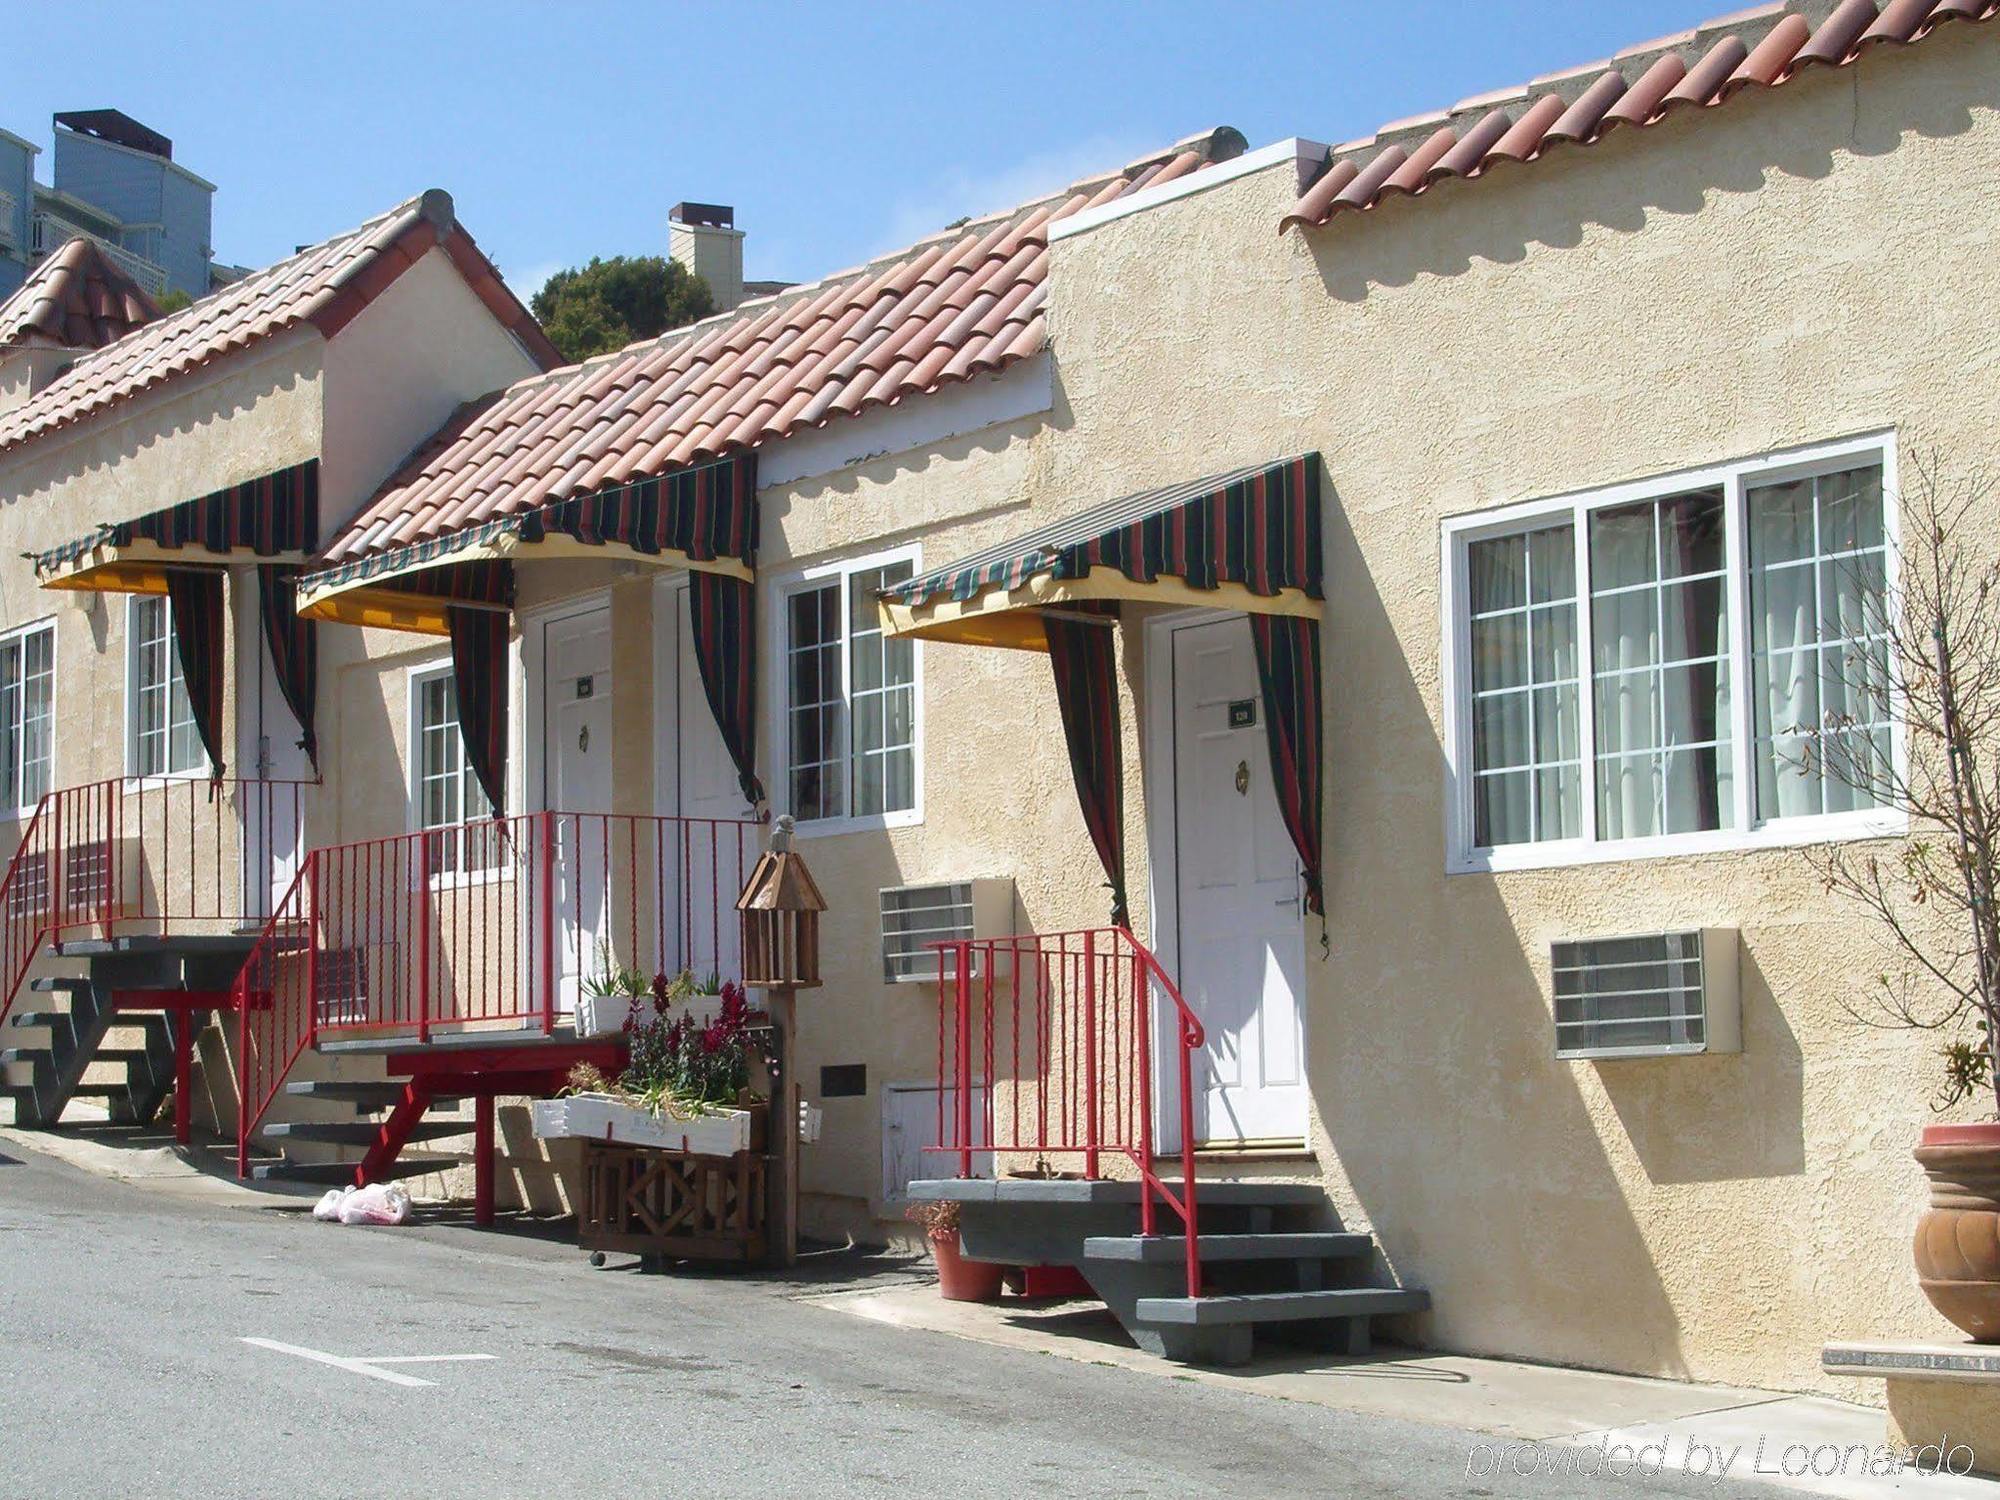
x=41, y=1018
x=358, y=1133
x=340, y=1173
x=127, y=1055
x=374, y=1093
x=1171, y=1249
x=1233, y=1193
x=1279, y=1307
x=59, y=984
x=27, y=1055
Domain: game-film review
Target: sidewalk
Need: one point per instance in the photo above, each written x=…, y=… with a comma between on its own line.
x=1542, y=1419
x=205, y=1172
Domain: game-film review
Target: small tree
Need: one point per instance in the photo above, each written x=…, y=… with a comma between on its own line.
x=1932, y=660
x=608, y=304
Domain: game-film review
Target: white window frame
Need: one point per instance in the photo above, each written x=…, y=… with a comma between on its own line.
x=780, y=693
x=419, y=678
x=1746, y=832
x=18, y=637
x=201, y=769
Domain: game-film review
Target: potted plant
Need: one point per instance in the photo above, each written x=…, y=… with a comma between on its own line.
x=686, y=1082
x=1928, y=655
x=959, y=1279
x=607, y=997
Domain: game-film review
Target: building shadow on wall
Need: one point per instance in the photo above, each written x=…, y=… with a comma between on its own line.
x=1672, y=168
x=1470, y=1150
x=1673, y=1109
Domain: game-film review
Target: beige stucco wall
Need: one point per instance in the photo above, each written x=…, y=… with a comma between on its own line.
x=1725, y=284
x=243, y=419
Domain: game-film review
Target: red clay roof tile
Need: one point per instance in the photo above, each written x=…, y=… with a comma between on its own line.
x=78, y=298
x=324, y=286
x=1758, y=48
x=953, y=306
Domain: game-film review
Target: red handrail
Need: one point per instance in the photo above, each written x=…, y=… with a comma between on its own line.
x=1063, y=1023
x=144, y=853
x=493, y=922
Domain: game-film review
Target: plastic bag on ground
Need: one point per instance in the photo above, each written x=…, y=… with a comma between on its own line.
x=327, y=1210
x=378, y=1203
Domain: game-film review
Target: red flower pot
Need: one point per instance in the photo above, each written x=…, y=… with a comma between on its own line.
x=1958, y=1237
x=959, y=1279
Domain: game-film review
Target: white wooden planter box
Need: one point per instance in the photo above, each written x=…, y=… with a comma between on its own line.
x=604, y=1015
x=598, y=1117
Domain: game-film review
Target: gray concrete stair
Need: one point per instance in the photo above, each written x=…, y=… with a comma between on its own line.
x=1171, y=1249
x=1267, y=1262
x=341, y=1173
x=1281, y=1307
x=359, y=1132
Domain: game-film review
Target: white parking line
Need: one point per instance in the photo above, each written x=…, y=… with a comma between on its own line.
x=369, y=1366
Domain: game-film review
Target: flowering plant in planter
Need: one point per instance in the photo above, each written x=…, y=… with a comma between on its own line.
x=686, y=1066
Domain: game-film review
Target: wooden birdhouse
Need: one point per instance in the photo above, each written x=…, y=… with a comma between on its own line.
x=779, y=910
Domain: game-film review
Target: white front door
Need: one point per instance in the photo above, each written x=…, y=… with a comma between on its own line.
x=696, y=781
x=267, y=751
x=1239, y=939
x=576, y=777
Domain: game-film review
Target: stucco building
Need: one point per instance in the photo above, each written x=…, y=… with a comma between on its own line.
x=1437, y=540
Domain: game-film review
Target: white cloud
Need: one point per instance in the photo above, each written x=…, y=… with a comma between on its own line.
x=955, y=194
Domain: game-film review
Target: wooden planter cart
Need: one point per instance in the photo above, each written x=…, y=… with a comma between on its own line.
x=675, y=1204
x=724, y=1186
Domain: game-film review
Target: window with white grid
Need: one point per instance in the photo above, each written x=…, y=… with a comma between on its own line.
x=448, y=793
x=27, y=714
x=1820, y=654
x=1731, y=628
x=162, y=740
x=850, y=708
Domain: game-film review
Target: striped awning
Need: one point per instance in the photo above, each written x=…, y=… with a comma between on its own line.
x=1248, y=539
x=702, y=518
x=271, y=519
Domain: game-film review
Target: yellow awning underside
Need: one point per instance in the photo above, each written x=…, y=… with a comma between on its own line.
x=372, y=600
x=1012, y=618
x=141, y=567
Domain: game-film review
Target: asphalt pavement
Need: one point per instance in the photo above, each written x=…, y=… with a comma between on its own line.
x=443, y=1361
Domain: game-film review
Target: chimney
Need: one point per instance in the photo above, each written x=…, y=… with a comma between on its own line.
x=704, y=238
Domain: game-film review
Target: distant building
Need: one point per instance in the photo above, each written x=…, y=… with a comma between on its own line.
x=117, y=184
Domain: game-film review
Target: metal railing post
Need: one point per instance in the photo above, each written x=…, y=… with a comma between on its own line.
x=313, y=943
x=547, y=887
x=423, y=899
x=243, y=1105
x=1142, y=1039
x=1187, y=1161
x=1090, y=1081
x=964, y=997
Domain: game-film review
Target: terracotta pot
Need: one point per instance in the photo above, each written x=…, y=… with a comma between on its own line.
x=1958, y=1238
x=962, y=1280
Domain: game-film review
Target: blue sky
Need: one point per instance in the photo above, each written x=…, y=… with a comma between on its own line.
x=837, y=131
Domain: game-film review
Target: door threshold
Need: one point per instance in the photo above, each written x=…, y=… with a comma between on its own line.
x=1253, y=1151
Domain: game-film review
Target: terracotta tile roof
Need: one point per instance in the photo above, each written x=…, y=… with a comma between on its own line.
x=75, y=299
x=1755, y=49
x=959, y=304
x=324, y=286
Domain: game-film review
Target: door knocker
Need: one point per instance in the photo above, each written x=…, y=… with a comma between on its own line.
x=1243, y=778
x=583, y=739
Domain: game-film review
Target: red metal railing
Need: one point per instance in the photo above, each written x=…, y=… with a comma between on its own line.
x=503, y=921
x=1045, y=1049
x=145, y=854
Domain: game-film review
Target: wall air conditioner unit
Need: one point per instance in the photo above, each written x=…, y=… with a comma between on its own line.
x=1661, y=994
x=916, y=916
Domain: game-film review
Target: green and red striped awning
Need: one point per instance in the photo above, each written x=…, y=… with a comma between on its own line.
x=274, y=518
x=702, y=518
x=1248, y=539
